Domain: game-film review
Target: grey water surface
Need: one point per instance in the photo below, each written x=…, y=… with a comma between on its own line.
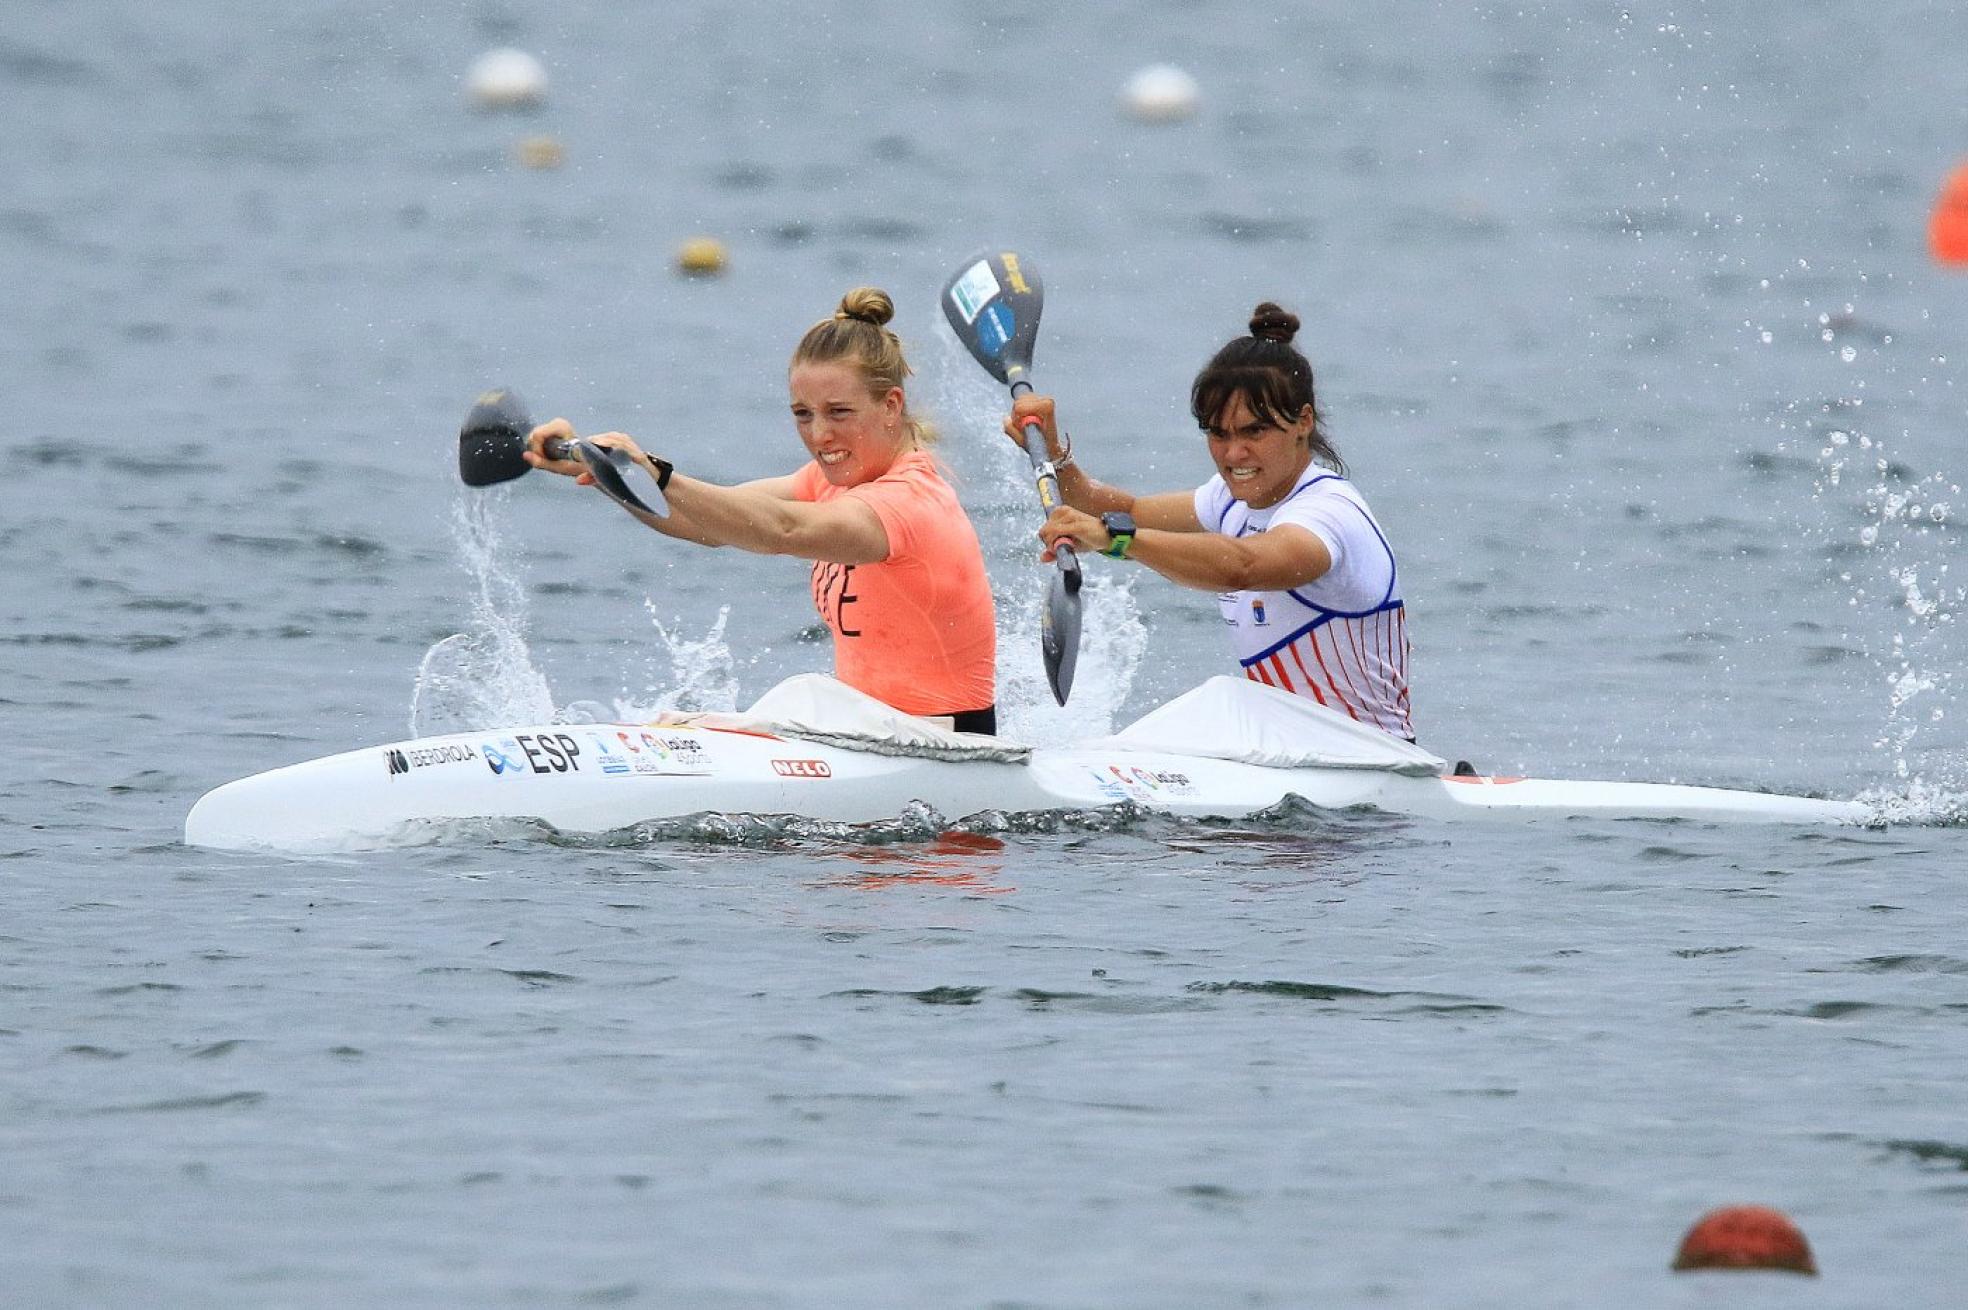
x=1624, y=321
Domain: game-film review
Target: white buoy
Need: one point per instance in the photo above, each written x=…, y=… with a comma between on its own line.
x=1161, y=93
x=507, y=79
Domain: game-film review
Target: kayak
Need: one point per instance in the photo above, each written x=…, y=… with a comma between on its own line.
x=814, y=749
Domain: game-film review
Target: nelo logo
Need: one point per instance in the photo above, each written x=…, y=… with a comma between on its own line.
x=802, y=769
x=398, y=762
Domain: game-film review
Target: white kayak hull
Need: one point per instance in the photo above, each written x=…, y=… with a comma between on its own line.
x=601, y=778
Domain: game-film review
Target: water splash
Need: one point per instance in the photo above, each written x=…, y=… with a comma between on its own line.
x=684, y=673
x=1905, y=536
x=1919, y=803
x=1291, y=821
x=483, y=677
x=1111, y=640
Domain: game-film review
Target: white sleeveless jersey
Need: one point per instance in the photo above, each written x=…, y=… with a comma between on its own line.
x=1341, y=640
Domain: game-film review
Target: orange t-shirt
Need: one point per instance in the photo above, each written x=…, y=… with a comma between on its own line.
x=916, y=631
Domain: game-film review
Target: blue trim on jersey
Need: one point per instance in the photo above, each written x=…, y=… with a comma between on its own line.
x=1393, y=573
x=1318, y=475
x=1388, y=600
x=1225, y=514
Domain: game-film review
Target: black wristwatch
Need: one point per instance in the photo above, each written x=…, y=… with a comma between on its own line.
x=1120, y=526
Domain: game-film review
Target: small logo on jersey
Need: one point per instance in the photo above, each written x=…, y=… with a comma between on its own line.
x=1257, y=611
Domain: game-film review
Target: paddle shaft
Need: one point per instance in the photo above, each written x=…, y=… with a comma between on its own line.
x=1046, y=475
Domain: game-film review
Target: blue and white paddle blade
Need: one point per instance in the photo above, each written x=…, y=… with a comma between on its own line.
x=992, y=303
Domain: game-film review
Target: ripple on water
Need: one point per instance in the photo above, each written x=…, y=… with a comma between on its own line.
x=1036, y=998
x=1938, y=1155
x=1827, y=1011
x=175, y=1104
x=1338, y=994
x=1248, y=229
x=1911, y=964
x=530, y=977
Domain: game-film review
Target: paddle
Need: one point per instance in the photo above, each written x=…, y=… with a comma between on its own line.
x=993, y=304
x=492, y=449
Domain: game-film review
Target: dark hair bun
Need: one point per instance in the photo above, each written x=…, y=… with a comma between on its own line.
x=868, y=304
x=1273, y=324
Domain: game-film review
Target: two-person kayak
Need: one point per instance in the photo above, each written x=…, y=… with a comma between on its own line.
x=815, y=749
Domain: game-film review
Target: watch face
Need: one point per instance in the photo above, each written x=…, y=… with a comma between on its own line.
x=1120, y=526
x=1117, y=522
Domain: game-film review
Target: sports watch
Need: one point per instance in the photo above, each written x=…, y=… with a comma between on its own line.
x=1120, y=526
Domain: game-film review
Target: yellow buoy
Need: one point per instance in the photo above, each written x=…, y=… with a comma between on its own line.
x=538, y=152
x=701, y=257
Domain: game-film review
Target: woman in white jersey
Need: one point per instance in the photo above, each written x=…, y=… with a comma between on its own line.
x=1303, y=573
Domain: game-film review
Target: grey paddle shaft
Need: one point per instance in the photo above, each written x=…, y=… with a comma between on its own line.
x=1050, y=496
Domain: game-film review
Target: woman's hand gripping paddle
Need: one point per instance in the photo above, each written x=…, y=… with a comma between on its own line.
x=492, y=449
x=993, y=304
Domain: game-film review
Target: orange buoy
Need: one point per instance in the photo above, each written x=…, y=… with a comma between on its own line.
x=1947, y=230
x=1745, y=1237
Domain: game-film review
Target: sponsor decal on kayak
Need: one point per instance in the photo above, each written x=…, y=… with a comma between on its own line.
x=802, y=768
x=502, y=756
x=532, y=752
x=401, y=761
x=612, y=760
x=1132, y=782
x=655, y=753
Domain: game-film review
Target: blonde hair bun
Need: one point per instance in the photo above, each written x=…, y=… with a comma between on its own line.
x=868, y=305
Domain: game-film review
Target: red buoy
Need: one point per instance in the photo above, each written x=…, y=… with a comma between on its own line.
x=1947, y=230
x=1745, y=1237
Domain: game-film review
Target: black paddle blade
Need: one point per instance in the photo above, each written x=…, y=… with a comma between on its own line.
x=993, y=304
x=1059, y=626
x=610, y=469
x=492, y=443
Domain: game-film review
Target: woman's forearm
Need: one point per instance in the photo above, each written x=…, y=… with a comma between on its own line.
x=1208, y=561
x=711, y=515
x=1082, y=492
x=753, y=518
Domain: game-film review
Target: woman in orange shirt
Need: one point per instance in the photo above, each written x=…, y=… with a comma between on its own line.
x=898, y=576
